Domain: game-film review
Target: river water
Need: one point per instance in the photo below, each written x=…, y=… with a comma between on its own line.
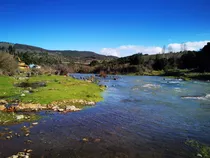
x=140, y=117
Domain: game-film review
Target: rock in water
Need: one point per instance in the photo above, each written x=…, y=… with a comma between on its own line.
x=35, y=123
x=85, y=139
x=60, y=110
x=199, y=155
x=72, y=108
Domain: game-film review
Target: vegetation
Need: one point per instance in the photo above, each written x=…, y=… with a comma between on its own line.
x=190, y=64
x=7, y=89
x=201, y=150
x=31, y=54
x=195, y=63
x=8, y=65
x=11, y=118
x=55, y=88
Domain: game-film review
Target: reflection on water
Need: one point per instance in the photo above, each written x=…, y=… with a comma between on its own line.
x=139, y=117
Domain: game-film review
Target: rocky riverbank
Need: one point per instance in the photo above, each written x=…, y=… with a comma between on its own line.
x=55, y=93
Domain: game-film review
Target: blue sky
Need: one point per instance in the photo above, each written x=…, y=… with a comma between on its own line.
x=115, y=27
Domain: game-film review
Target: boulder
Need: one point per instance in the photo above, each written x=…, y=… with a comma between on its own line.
x=3, y=102
x=91, y=103
x=2, y=107
x=72, y=108
x=35, y=123
x=55, y=108
x=60, y=110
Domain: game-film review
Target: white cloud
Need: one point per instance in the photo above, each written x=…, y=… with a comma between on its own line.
x=129, y=50
x=126, y=50
x=188, y=45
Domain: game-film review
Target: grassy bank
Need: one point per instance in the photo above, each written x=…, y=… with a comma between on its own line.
x=12, y=118
x=54, y=89
x=187, y=74
x=44, y=92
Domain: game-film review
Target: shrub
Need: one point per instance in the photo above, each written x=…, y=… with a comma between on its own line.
x=62, y=69
x=8, y=65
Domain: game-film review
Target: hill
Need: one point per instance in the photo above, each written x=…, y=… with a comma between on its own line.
x=74, y=55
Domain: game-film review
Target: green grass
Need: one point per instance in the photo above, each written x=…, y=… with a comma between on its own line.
x=58, y=88
x=199, y=148
x=11, y=118
x=7, y=90
x=187, y=74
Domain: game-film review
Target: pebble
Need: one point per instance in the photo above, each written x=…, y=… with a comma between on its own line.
x=29, y=151
x=85, y=140
x=199, y=155
x=27, y=134
x=35, y=123
x=23, y=95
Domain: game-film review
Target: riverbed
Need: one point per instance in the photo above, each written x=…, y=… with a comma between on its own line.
x=141, y=116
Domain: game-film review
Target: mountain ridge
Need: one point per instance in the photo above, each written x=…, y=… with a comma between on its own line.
x=70, y=53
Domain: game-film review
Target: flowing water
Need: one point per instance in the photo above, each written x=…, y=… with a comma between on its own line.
x=140, y=117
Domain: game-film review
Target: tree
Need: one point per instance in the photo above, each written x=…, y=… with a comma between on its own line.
x=8, y=65
x=204, y=58
x=94, y=63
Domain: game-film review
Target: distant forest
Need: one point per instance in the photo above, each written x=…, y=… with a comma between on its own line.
x=139, y=64
x=196, y=61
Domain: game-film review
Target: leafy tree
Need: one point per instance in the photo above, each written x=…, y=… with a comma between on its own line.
x=94, y=63
x=8, y=65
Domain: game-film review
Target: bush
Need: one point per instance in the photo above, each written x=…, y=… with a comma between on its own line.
x=8, y=65
x=44, y=70
x=94, y=63
x=62, y=69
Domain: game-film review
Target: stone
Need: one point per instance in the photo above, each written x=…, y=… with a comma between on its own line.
x=19, y=117
x=22, y=95
x=35, y=123
x=3, y=102
x=60, y=110
x=2, y=107
x=8, y=137
x=91, y=103
x=21, y=154
x=26, y=91
x=27, y=134
x=55, y=108
x=85, y=140
x=29, y=151
x=72, y=108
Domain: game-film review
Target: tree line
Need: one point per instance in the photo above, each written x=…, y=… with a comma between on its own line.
x=197, y=61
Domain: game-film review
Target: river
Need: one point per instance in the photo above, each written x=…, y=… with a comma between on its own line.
x=140, y=117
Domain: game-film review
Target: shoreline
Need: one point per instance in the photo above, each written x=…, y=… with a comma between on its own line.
x=55, y=93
